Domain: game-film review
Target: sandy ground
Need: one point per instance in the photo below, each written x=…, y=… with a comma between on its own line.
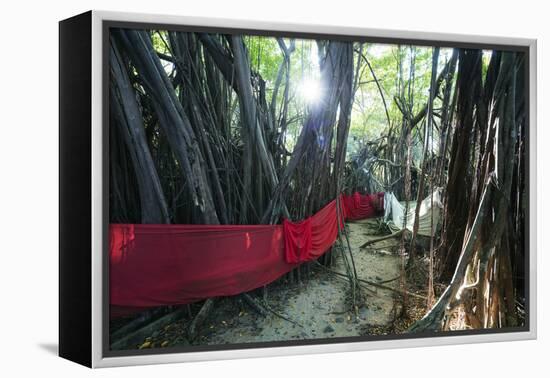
x=319, y=306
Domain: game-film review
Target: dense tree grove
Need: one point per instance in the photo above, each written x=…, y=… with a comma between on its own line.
x=230, y=129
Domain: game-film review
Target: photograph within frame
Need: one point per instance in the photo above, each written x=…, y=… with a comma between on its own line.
x=309, y=90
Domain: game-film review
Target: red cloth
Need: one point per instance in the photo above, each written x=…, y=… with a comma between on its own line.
x=157, y=265
x=297, y=240
x=361, y=206
x=178, y=264
x=310, y=238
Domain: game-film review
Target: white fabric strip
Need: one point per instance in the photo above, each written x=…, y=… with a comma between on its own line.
x=394, y=213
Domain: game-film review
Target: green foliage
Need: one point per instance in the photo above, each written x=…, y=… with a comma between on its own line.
x=400, y=70
x=265, y=56
x=160, y=41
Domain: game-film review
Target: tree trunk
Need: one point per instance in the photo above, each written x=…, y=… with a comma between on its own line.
x=129, y=119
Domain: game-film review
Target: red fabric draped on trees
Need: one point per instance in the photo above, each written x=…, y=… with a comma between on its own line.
x=154, y=265
x=361, y=206
x=310, y=238
x=157, y=265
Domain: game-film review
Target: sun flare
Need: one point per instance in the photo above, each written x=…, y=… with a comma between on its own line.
x=310, y=90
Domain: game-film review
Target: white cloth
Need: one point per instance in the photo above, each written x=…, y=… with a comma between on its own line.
x=394, y=213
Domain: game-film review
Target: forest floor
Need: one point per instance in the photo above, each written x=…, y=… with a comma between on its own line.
x=320, y=304
x=317, y=307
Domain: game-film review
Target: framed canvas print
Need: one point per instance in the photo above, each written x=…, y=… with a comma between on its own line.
x=236, y=188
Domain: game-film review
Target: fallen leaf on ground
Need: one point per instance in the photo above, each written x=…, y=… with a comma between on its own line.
x=145, y=345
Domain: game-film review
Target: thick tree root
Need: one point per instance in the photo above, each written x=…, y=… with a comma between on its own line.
x=372, y=241
x=200, y=318
x=431, y=322
x=135, y=324
x=264, y=309
x=130, y=341
x=256, y=306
